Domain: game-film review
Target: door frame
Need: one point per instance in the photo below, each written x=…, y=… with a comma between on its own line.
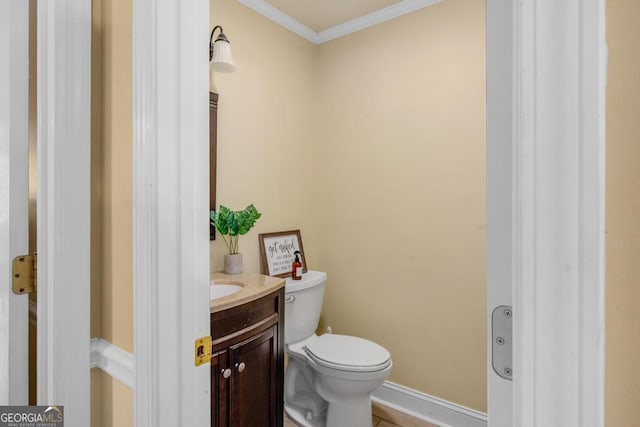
x=64, y=195
x=499, y=146
x=14, y=176
x=64, y=94
x=553, y=90
x=559, y=210
x=170, y=210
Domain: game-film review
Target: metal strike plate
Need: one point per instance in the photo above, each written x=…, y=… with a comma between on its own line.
x=24, y=273
x=203, y=350
x=502, y=341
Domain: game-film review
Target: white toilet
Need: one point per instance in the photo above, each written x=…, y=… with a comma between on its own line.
x=329, y=378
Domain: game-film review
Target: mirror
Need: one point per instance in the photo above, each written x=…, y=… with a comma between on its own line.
x=213, y=134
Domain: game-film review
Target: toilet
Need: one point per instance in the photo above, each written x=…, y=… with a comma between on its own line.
x=329, y=378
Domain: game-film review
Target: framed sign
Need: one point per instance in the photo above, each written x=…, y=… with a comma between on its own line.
x=277, y=252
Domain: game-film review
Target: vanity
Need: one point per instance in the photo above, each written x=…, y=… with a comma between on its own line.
x=247, y=364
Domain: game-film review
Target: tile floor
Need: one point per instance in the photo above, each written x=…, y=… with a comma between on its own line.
x=384, y=417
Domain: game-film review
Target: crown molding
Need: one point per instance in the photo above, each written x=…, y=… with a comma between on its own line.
x=281, y=18
x=374, y=18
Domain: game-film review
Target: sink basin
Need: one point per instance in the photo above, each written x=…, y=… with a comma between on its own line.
x=220, y=290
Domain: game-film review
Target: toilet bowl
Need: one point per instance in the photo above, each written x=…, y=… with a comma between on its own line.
x=329, y=378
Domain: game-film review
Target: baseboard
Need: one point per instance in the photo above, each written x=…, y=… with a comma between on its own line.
x=426, y=407
x=120, y=365
x=112, y=360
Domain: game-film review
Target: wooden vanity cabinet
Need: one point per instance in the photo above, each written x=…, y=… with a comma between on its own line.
x=247, y=367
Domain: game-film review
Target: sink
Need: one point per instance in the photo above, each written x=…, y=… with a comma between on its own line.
x=220, y=290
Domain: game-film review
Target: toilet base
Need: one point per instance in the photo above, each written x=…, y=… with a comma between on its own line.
x=298, y=416
x=353, y=414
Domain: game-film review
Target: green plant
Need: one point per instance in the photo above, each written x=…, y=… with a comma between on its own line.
x=234, y=224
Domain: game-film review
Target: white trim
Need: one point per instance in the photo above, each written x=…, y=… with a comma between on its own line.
x=499, y=155
x=14, y=168
x=369, y=20
x=276, y=15
x=170, y=210
x=426, y=407
x=64, y=152
x=145, y=217
x=113, y=361
x=559, y=213
x=374, y=18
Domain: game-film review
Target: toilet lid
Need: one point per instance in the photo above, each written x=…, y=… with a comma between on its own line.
x=348, y=353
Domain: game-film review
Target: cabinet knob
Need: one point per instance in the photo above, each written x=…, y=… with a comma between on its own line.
x=226, y=373
x=240, y=366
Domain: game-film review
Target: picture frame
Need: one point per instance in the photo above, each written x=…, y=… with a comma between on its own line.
x=277, y=252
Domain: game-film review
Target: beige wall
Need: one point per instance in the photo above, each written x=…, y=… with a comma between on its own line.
x=117, y=152
x=373, y=145
x=623, y=214
x=267, y=130
x=111, y=245
x=403, y=195
x=111, y=402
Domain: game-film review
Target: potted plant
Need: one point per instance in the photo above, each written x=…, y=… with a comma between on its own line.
x=233, y=224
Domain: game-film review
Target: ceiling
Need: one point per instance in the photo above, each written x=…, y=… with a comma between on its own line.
x=322, y=20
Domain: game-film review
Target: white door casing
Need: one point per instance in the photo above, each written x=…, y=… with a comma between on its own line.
x=64, y=58
x=170, y=218
x=559, y=188
x=499, y=190
x=64, y=106
x=546, y=76
x=14, y=198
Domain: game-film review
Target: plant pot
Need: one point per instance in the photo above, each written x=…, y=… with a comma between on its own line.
x=233, y=263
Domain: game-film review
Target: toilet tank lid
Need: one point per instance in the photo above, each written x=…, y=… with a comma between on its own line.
x=309, y=279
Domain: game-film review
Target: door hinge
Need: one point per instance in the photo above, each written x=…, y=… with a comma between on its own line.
x=203, y=350
x=25, y=274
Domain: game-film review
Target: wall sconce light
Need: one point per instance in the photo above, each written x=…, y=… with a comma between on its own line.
x=220, y=52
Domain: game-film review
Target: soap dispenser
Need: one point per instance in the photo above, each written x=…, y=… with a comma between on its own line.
x=296, y=267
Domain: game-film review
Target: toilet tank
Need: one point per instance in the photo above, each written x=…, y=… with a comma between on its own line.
x=303, y=304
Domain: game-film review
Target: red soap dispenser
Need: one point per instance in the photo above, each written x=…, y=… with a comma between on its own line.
x=296, y=267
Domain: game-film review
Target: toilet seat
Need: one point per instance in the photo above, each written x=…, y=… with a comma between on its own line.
x=347, y=353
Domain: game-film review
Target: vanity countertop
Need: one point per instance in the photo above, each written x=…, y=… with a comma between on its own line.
x=254, y=286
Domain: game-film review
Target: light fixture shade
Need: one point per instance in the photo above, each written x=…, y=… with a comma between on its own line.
x=222, y=60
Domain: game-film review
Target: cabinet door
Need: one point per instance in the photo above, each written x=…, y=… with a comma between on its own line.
x=253, y=388
x=220, y=389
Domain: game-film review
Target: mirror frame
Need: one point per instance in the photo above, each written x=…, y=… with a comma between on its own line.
x=213, y=149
